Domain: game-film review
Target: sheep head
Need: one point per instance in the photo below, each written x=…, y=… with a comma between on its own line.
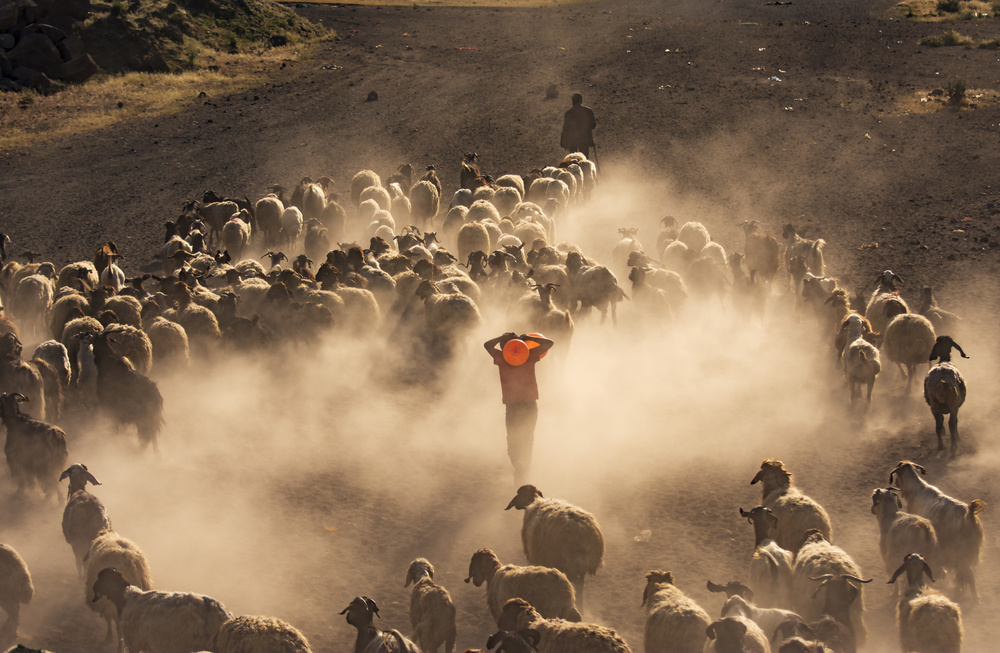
x=360, y=611
x=517, y=614
x=906, y=467
x=419, y=569
x=728, y=633
x=78, y=477
x=654, y=578
x=914, y=565
x=524, y=640
x=526, y=495
x=773, y=475
x=942, y=349
x=888, y=495
x=110, y=584
x=10, y=404
x=10, y=345
x=731, y=589
x=483, y=565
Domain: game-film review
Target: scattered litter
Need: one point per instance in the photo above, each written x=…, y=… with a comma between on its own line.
x=644, y=536
x=665, y=86
x=354, y=31
x=958, y=231
x=752, y=24
x=868, y=137
x=782, y=71
x=757, y=68
x=466, y=47
x=761, y=49
x=628, y=52
x=331, y=66
x=966, y=219
x=789, y=108
x=406, y=33
x=330, y=529
x=774, y=78
x=868, y=246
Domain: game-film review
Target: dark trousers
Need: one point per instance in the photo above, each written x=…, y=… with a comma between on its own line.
x=521, y=418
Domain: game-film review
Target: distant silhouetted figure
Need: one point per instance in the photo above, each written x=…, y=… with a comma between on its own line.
x=578, y=128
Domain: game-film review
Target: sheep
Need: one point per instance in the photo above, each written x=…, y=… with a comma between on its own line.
x=129, y=396
x=546, y=588
x=370, y=639
x=112, y=275
x=109, y=549
x=472, y=237
x=907, y=341
x=425, y=201
x=32, y=300
x=862, y=363
x=172, y=252
x=379, y=195
x=810, y=250
x=86, y=377
x=81, y=275
x=943, y=321
x=62, y=308
x=736, y=635
x=548, y=319
x=132, y=344
x=236, y=235
x=259, y=635
x=558, y=636
x=268, y=211
x=820, y=560
x=628, y=244
x=451, y=313
x=885, y=302
x=945, y=390
x=21, y=377
x=35, y=451
x=362, y=180
x=16, y=588
x=767, y=618
x=796, y=512
x=51, y=360
x=900, y=532
x=215, y=215
x=432, y=613
x=761, y=251
x=160, y=622
x=825, y=635
x=557, y=534
x=84, y=516
x=928, y=621
x=771, y=565
x=694, y=236
x=674, y=622
x=959, y=532
x=521, y=641
x=170, y=344
x=593, y=286
x=127, y=309
x=506, y=199
x=749, y=294
x=291, y=225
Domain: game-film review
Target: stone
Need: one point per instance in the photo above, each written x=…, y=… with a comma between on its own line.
x=78, y=9
x=70, y=47
x=9, y=85
x=8, y=16
x=47, y=86
x=5, y=68
x=7, y=41
x=76, y=70
x=55, y=35
x=25, y=76
x=35, y=50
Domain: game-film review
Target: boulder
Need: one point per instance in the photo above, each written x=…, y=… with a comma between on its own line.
x=9, y=85
x=5, y=68
x=7, y=42
x=35, y=50
x=55, y=35
x=9, y=13
x=70, y=47
x=25, y=76
x=76, y=70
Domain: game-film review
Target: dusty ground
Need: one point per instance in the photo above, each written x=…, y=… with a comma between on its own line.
x=286, y=487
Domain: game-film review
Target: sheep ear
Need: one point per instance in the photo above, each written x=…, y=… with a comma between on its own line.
x=409, y=577
x=896, y=574
x=927, y=570
x=494, y=639
x=920, y=468
x=710, y=631
x=90, y=477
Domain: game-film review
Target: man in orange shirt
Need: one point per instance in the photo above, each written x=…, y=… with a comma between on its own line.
x=520, y=396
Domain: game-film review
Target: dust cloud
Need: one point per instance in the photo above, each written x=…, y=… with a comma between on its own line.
x=292, y=480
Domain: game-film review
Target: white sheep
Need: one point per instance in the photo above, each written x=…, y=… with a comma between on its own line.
x=506, y=199
x=736, y=635
x=511, y=181
x=81, y=275
x=810, y=250
x=483, y=210
x=360, y=613
x=767, y=618
x=818, y=560
x=32, y=300
x=674, y=622
x=694, y=236
x=862, y=363
x=901, y=533
x=169, y=340
x=907, y=342
x=113, y=276
x=945, y=390
x=236, y=235
x=291, y=225
x=84, y=517
x=547, y=589
x=379, y=194
x=885, y=302
x=558, y=636
x=361, y=181
x=160, y=622
x=432, y=612
x=268, y=212
x=472, y=237
x=109, y=549
x=259, y=635
x=172, y=252
x=959, y=532
x=796, y=512
x=620, y=252
x=16, y=589
x=771, y=566
x=555, y=533
x=928, y=621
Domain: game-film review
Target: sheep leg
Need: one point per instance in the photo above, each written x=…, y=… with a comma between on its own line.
x=577, y=580
x=953, y=431
x=965, y=579
x=871, y=386
x=107, y=635
x=8, y=632
x=939, y=428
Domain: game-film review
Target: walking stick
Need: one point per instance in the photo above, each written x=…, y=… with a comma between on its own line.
x=595, y=155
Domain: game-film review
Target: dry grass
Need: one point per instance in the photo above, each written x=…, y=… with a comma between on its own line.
x=27, y=118
x=949, y=37
x=927, y=10
x=927, y=101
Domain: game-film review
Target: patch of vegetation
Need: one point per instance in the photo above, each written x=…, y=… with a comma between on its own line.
x=177, y=35
x=949, y=37
x=955, y=90
x=949, y=6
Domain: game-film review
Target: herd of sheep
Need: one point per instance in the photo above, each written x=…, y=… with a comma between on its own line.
x=431, y=276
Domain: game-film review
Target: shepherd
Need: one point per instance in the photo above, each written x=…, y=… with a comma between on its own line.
x=578, y=128
x=515, y=356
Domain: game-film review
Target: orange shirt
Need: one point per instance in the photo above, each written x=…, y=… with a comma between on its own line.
x=517, y=382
